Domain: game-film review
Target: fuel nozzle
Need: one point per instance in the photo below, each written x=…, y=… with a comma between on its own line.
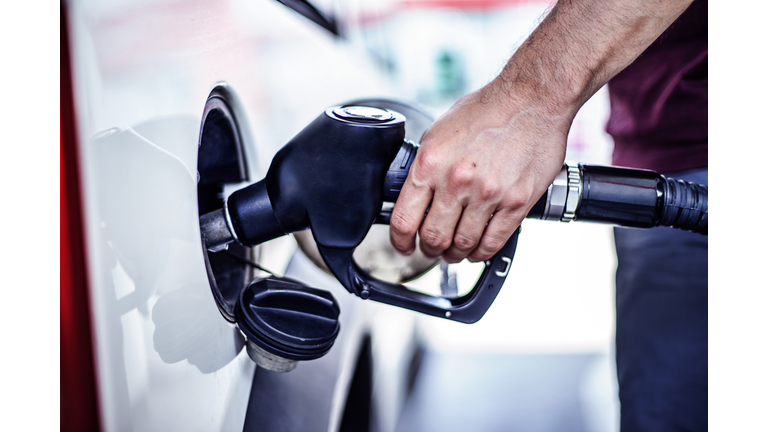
x=215, y=231
x=335, y=175
x=247, y=217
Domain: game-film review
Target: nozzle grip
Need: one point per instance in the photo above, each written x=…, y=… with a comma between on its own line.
x=398, y=171
x=468, y=308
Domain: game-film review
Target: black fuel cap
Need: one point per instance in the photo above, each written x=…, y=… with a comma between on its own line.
x=286, y=321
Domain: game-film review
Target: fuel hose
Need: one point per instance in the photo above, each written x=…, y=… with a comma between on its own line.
x=624, y=197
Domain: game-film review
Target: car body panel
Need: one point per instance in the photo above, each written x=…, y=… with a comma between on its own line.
x=165, y=357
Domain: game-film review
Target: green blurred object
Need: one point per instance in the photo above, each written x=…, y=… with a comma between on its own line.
x=449, y=74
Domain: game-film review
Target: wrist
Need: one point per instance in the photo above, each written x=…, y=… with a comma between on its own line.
x=517, y=96
x=536, y=85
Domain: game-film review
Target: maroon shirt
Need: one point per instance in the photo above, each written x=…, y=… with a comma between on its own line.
x=659, y=103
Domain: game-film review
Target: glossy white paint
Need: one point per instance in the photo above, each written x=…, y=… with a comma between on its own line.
x=163, y=349
x=166, y=359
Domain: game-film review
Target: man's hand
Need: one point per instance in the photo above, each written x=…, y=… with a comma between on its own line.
x=486, y=162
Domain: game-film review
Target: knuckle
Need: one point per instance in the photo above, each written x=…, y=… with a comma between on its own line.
x=464, y=242
x=427, y=161
x=515, y=201
x=461, y=176
x=434, y=239
x=402, y=225
x=492, y=244
x=489, y=190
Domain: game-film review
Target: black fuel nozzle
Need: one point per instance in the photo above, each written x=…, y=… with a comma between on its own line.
x=333, y=177
x=335, y=174
x=330, y=176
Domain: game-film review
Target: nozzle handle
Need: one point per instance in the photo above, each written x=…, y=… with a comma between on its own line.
x=468, y=308
x=398, y=170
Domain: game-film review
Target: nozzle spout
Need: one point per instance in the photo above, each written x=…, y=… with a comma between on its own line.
x=215, y=231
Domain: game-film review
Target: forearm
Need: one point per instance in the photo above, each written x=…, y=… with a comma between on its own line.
x=484, y=163
x=579, y=47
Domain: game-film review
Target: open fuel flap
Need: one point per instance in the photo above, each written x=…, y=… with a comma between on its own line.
x=283, y=321
x=221, y=162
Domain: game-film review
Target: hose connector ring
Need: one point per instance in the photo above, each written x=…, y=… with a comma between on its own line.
x=575, y=188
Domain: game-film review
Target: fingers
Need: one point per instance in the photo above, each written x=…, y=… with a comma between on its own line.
x=468, y=232
x=436, y=232
x=473, y=164
x=455, y=227
x=408, y=214
x=481, y=229
x=499, y=229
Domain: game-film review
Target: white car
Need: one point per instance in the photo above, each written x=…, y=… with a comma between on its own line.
x=167, y=107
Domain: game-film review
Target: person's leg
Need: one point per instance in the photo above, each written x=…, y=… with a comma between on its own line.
x=661, y=327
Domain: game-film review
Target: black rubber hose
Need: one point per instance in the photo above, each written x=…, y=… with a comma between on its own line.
x=685, y=206
x=641, y=199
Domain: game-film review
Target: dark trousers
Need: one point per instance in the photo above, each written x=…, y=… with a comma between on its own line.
x=661, y=327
